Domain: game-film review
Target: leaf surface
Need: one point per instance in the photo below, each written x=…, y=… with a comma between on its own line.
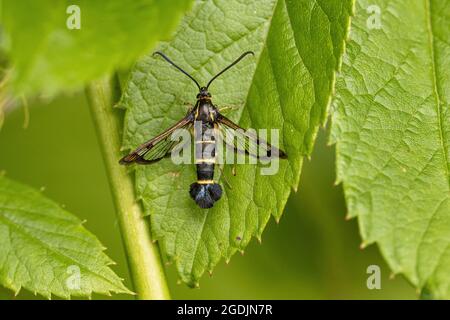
x=46, y=250
x=392, y=131
x=47, y=55
x=286, y=86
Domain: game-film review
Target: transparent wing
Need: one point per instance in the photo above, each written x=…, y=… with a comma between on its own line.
x=244, y=141
x=159, y=147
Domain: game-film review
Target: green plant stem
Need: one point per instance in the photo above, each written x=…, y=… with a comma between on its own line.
x=144, y=260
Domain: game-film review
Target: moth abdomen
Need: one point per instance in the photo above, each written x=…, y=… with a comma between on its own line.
x=205, y=194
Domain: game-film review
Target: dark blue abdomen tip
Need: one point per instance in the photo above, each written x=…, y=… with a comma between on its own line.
x=205, y=195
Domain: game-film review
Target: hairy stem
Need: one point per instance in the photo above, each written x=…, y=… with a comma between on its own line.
x=144, y=260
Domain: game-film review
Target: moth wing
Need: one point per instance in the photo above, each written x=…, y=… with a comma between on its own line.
x=158, y=147
x=246, y=142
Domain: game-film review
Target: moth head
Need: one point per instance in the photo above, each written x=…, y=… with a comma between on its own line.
x=203, y=93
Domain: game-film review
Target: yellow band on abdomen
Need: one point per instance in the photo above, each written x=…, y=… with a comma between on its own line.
x=202, y=160
x=205, y=181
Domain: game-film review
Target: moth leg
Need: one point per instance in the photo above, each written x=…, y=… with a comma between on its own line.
x=189, y=106
x=233, y=170
x=229, y=108
x=224, y=177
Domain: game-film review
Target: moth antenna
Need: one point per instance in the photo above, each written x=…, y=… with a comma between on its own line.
x=232, y=64
x=172, y=63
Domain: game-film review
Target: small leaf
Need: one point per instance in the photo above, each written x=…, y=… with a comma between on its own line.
x=50, y=53
x=286, y=86
x=46, y=250
x=392, y=131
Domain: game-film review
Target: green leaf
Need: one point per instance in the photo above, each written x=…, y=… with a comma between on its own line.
x=46, y=250
x=2, y=115
x=286, y=86
x=392, y=131
x=49, y=56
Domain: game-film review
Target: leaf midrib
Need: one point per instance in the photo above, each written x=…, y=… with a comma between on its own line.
x=442, y=132
x=436, y=91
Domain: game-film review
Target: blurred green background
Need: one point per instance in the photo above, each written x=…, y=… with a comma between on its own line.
x=313, y=253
